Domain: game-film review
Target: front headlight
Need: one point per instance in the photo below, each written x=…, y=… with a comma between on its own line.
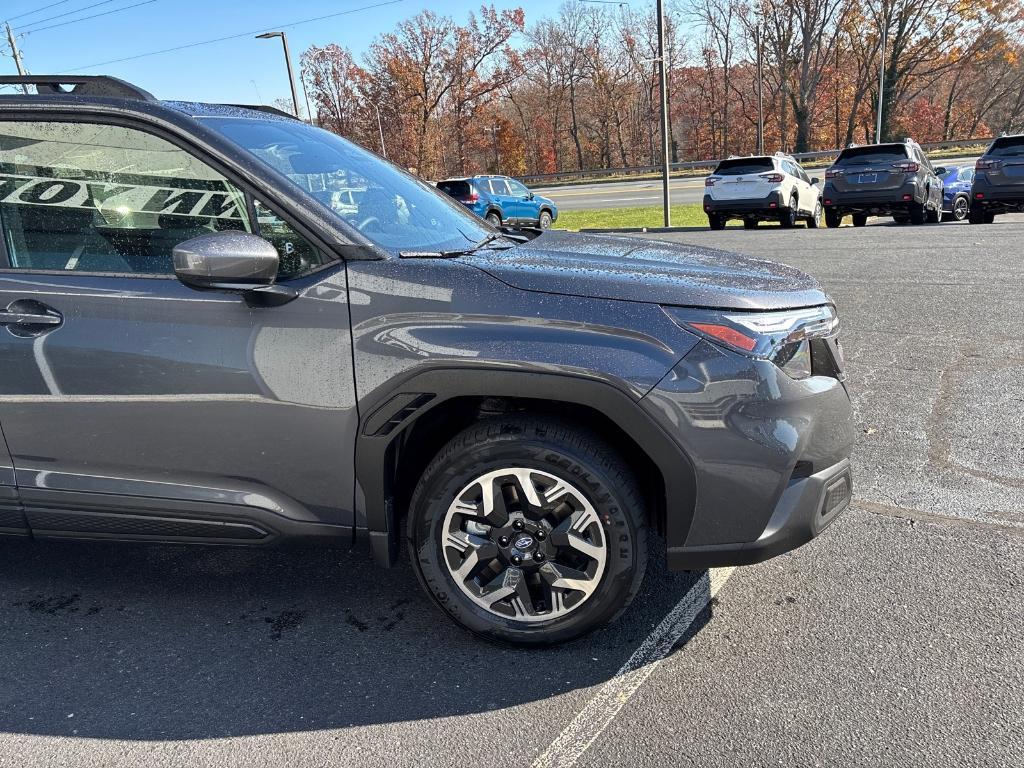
x=784, y=337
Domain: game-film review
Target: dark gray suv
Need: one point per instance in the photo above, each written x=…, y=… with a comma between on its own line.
x=224, y=326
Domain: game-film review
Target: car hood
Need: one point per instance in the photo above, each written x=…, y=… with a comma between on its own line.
x=630, y=269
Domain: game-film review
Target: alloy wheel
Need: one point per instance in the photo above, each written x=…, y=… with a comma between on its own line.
x=961, y=207
x=524, y=544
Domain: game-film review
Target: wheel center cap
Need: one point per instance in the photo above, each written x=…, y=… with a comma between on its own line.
x=523, y=543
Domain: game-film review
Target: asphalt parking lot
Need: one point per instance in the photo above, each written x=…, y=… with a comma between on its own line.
x=897, y=638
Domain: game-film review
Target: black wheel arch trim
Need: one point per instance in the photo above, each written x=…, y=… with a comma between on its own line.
x=373, y=451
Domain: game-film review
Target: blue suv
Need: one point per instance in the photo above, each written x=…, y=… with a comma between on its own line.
x=501, y=200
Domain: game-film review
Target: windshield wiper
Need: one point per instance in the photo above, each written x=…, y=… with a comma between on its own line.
x=458, y=251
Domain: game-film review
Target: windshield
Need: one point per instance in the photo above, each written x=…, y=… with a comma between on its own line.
x=392, y=209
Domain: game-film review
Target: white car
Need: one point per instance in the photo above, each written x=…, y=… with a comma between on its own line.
x=762, y=188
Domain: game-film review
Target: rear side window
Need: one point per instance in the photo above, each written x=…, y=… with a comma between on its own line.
x=742, y=166
x=1010, y=146
x=455, y=188
x=102, y=198
x=892, y=153
x=499, y=187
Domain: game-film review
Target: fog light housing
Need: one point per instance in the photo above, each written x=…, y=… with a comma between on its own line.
x=838, y=496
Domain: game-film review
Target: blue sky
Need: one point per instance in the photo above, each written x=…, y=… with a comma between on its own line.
x=229, y=71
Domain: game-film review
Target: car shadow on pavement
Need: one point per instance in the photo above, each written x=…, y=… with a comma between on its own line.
x=165, y=643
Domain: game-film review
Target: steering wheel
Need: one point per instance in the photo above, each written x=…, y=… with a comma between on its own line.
x=362, y=225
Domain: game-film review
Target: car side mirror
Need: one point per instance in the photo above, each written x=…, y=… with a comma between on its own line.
x=231, y=261
x=530, y=195
x=940, y=171
x=815, y=181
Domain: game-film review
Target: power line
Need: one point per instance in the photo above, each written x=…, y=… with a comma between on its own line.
x=37, y=10
x=234, y=37
x=66, y=13
x=86, y=18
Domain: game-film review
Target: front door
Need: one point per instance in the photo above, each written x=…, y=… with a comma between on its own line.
x=125, y=396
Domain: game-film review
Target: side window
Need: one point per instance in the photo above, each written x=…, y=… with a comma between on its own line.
x=103, y=198
x=297, y=255
x=518, y=190
x=499, y=187
x=966, y=174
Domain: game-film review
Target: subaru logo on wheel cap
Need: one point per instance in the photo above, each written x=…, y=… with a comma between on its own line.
x=523, y=542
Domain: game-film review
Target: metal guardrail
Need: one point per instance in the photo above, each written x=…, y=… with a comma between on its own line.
x=702, y=164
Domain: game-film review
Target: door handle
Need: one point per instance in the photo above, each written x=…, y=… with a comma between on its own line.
x=29, y=318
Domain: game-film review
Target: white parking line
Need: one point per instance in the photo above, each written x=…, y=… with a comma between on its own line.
x=602, y=709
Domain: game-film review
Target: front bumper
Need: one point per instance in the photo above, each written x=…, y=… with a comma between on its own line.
x=765, y=450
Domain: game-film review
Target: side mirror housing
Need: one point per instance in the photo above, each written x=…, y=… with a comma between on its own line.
x=232, y=261
x=530, y=195
x=815, y=181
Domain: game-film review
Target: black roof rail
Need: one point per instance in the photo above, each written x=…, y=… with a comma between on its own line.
x=81, y=85
x=263, y=108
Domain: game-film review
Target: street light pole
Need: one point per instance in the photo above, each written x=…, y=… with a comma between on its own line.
x=881, y=81
x=288, y=64
x=665, y=159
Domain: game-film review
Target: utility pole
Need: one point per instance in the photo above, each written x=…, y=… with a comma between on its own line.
x=881, y=81
x=288, y=64
x=380, y=128
x=493, y=130
x=665, y=159
x=760, y=88
x=16, y=54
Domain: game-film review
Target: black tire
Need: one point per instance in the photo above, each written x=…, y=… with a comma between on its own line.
x=933, y=215
x=716, y=222
x=833, y=219
x=989, y=217
x=860, y=219
x=575, y=457
x=901, y=218
x=545, y=220
x=815, y=219
x=494, y=219
x=917, y=213
x=750, y=223
x=976, y=216
x=789, y=216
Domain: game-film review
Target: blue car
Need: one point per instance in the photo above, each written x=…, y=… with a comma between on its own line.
x=956, y=198
x=502, y=201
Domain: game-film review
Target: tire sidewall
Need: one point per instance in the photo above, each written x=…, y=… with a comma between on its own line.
x=438, y=489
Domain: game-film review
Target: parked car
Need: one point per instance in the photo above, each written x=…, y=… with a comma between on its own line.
x=502, y=201
x=999, y=180
x=956, y=191
x=761, y=188
x=895, y=179
x=200, y=347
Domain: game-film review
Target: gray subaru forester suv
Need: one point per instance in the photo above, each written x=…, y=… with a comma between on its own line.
x=224, y=326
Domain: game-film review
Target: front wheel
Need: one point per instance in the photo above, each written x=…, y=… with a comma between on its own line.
x=545, y=220
x=528, y=530
x=959, y=210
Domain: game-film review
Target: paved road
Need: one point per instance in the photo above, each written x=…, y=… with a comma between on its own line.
x=895, y=639
x=627, y=194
